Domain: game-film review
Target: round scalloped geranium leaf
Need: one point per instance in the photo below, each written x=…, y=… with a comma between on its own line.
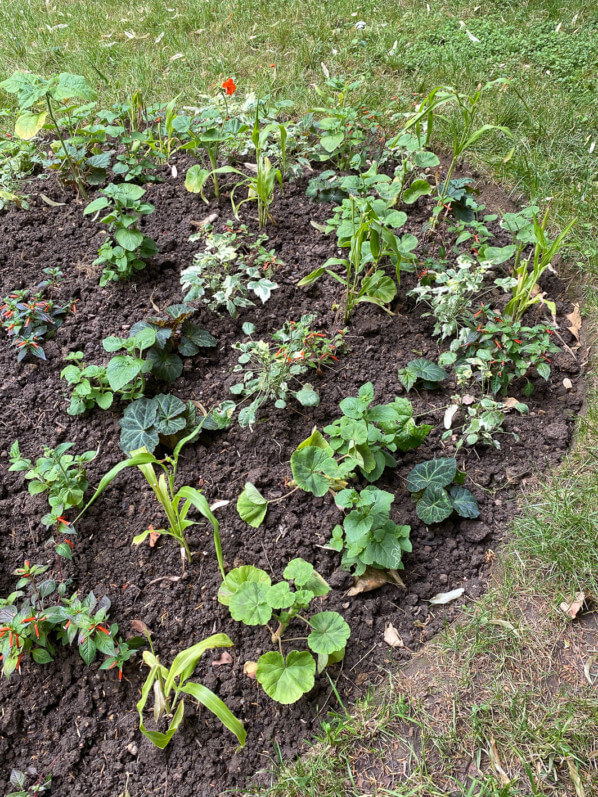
x=329, y=632
x=234, y=580
x=286, y=681
x=250, y=604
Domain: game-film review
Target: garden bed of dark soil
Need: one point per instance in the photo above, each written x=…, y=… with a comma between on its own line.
x=80, y=724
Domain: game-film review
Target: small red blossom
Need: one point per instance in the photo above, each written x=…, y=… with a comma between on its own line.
x=229, y=86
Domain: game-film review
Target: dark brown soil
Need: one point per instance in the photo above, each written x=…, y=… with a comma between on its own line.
x=80, y=723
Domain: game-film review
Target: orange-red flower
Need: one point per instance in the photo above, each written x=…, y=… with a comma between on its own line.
x=229, y=86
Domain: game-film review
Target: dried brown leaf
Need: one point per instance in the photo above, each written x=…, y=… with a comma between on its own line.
x=574, y=319
x=391, y=636
x=225, y=658
x=141, y=627
x=372, y=579
x=571, y=606
x=250, y=669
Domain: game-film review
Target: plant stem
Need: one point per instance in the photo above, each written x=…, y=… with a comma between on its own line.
x=66, y=154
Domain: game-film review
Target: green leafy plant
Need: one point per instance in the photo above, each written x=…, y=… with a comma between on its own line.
x=268, y=368
x=437, y=491
x=423, y=373
x=126, y=373
x=170, y=685
x=133, y=247
x=367, y=233
x=366, y=437
x=524, y=284
x=148, y=422
x=227, y=272
x=483, y=420
x=63, y=477
x=18, y=780
x=253, y=600
x=90, y=386
x=28, y=319
x=38, y=615
x=56, y=93
x=368, y=537
x=177, y=504
x=500, y=350
x=175, y=337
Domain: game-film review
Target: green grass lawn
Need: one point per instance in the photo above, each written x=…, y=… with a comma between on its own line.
x=514, y=712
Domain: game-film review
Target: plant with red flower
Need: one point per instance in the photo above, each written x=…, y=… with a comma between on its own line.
x=229, y=86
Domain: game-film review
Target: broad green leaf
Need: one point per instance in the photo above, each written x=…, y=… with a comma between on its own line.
x=332, y=141
x=421, y=369
x=286, y=680
x=128, y=239
x=313, y=469
x=464, y=502
x=329, y=632
x=28, y=124
x=417, y=189
x=435, y=505
x=385, y=550
x=307, y=396
x=304, y=576
x=252, y=506
x=239, y=576
x=166, y=365
x=250, y=604
x=73, y=86
x=379, y=287
x=137, y=426
x=170, y=414
x=121, y=370
x=438, y=472
x=195, y=179
x=280, y=596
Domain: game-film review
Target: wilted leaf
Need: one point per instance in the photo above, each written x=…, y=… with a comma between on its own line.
x=574, y=319
x=154, y=536
x=374, y=578
x=447, y=597
x=587, y=669
x=571, y=606
x=391, y=636
x=140, y=627
x=496, y=764
x=250, y=669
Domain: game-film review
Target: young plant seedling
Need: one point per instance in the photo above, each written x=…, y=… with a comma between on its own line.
x=437, y=491
x=38, y=616
x=18, y=780
x=227, y=272
x=253, y=599
x=170, y=686
x=367, y=437
x=163, y=419
x=268, y=368
x=422, y=373
x=90, y=386
x=176, y=505
x=368, y=537
x=483, y=420
x=63, y=477
x=27, y=319
x=133, y=248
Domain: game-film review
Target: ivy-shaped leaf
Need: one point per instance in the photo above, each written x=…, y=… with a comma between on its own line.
x=464, y=502
x=438, y=472
x=435, y=505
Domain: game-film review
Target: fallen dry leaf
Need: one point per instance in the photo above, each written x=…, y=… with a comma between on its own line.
x=567, y=383
x=510, y=402
x=140, y=626
x=225, y=658
x=571, y=606
x=587, y=669
x=574, y=318
x=250, y=669
x=449, y=415
x=372, y=579
x=391, y=636
x=468, y=400
x=496, y=764
x=446, y=597
x=153, y=538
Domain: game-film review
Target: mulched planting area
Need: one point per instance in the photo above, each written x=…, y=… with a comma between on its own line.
x=79, y=723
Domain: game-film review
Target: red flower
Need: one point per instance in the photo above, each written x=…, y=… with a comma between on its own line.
x=229, y=86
